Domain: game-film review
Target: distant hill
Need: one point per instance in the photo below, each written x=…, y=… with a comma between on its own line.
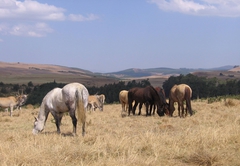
x=22, y=73
x=133, y=72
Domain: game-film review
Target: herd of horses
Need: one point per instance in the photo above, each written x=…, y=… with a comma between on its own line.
x=75, y=99
x=154, y=98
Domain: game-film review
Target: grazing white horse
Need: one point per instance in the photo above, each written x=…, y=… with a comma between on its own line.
x=12, y=101
x=72, y=97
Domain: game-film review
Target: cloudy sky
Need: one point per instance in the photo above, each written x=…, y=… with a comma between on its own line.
x=113, y=35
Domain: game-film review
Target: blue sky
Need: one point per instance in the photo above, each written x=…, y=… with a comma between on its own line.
x=114, y=35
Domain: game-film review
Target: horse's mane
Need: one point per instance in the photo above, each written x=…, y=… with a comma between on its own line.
x=155, y=91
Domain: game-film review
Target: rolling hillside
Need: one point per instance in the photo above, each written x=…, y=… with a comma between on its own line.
x=23, y=73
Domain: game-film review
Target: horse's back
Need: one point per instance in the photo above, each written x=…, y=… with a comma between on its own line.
x=54, y=99
x=123, y=96
x=142, y=94
x=172, y=94
x=72, y=89
x=136, y=94
x=7, y=101
x=184, y=90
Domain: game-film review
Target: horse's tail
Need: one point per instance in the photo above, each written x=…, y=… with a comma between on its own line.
x=81, y=98
x=130, y=100
x=188, y=95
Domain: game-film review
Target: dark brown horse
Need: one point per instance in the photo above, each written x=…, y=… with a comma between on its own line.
x=179, y=93
x=147, y=96
x=162, y=96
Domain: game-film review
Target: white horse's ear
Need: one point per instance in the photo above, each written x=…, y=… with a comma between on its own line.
x=36, y=119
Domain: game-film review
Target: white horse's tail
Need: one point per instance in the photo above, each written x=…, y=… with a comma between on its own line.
x=80, y=108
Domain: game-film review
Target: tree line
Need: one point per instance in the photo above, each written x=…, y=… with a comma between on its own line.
x=202, y=87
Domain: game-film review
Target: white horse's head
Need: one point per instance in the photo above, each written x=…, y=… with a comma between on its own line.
x=38, y=126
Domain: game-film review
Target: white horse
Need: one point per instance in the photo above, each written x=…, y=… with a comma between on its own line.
x=72, y=97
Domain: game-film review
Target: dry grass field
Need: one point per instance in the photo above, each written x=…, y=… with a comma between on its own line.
x=210, y=137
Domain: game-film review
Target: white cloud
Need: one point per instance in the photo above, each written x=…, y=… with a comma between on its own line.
x=33, y=12
x=1, y=40
x=79, y=17
x=223, y=8
x=36, y=30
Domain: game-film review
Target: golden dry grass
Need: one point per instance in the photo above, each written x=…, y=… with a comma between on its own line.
x=210, y=137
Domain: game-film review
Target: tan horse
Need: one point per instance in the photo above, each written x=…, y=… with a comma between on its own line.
x=179, y=93
x=123, y=98
x=95, y=101
x=102, y=97
x=12, y=101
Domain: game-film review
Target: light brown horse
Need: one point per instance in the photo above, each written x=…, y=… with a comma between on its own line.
x=180, y=93
x=123, y=98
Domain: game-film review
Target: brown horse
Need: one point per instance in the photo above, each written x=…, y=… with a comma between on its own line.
x=179, y=93
x=162, y=95
x=147, y=96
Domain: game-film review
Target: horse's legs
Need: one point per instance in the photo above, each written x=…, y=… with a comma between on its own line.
x=147, y=105
x=154, y=107
x=129, y=107
x=150, y=111
x=11, y=110
x=74, y=119
x=58, y=119
x=179, y=106
x=123, y=107
x=171, y=107
x=140, y=107
x=134, y=107
x=183, y=110
x=186, y=113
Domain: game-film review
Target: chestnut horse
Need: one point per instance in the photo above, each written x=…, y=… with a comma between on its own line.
x=179, y=93
x=147, y=96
